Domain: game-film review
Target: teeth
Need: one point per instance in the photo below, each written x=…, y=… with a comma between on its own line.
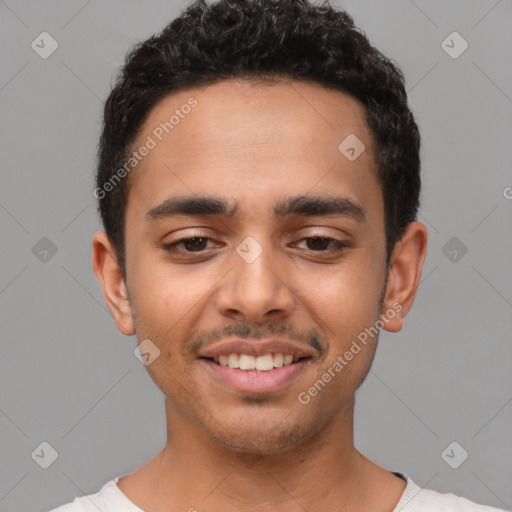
x=249, y=362
x=233, y=360
x=278, y=360
x=265, y=363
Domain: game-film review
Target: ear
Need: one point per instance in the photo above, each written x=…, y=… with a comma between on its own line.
x=404, y=274
x=106, y=268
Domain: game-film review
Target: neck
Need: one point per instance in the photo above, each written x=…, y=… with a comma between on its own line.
x=196, y=470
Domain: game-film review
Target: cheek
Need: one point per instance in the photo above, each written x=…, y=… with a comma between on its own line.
x=168, y=299
x=345, y=295
x=345, y=303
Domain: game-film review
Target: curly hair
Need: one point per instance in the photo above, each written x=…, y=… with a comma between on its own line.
x=263, y=40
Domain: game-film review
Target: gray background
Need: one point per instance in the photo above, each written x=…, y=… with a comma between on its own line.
x=69, y=378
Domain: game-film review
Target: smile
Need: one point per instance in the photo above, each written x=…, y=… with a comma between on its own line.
x=247, y=373
x=261, y=363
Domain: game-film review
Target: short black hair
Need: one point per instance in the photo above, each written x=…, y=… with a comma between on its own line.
x=262, y=40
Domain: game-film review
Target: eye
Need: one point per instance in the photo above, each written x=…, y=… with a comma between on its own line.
x=200, y=245
x=192, y=244
x=324, y=244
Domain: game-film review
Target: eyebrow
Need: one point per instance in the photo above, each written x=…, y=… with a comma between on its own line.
x=302, y=205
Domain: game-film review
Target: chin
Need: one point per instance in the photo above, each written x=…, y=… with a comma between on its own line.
x=264, y=437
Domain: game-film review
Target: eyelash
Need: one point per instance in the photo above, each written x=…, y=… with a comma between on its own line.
x=338, y=244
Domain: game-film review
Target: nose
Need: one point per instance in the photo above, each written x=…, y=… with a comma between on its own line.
x=255, y=291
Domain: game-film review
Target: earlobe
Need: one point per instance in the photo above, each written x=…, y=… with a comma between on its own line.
x=106, y=268
x=404, y=274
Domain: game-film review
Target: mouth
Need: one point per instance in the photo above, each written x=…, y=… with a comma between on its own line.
x=248, y=362
x=249, y=373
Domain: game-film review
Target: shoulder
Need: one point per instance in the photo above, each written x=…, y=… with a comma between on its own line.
x=416, y=499
x=108, y=498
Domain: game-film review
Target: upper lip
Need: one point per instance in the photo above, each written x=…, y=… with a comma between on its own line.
x=256, y=348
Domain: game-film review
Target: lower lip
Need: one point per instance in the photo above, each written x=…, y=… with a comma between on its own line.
x=254, y=381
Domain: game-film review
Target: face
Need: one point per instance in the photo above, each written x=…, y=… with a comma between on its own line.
x=248, y=232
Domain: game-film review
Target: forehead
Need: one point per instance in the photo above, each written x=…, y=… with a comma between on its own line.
x=253, y=142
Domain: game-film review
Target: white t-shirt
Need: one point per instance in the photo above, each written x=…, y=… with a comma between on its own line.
x=414, y=499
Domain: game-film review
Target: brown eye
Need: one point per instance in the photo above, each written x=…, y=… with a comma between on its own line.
x=195, y=243
x=192, y=244
x=318, y=243
x=324, y=244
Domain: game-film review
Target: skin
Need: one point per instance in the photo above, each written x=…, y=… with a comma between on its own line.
x=255, y=144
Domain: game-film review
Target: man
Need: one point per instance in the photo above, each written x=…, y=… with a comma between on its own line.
x=258, y=181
